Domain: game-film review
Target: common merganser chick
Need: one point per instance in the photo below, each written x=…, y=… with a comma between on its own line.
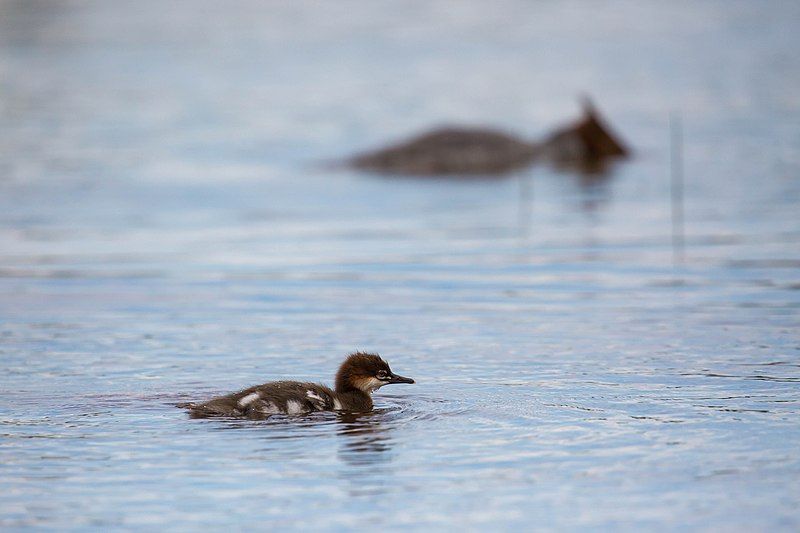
x=358, y=377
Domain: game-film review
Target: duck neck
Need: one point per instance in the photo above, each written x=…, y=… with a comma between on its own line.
x=353, y=399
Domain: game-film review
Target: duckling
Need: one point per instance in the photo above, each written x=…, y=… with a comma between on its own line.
x=358, y=377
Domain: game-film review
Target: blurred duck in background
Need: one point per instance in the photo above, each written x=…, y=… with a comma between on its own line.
x=587, y=146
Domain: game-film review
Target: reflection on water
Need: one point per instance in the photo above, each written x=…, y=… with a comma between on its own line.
x=365, y=439
x=366, y=451
x=165, y=235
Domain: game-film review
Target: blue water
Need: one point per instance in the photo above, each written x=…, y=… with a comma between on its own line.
x=169, y=231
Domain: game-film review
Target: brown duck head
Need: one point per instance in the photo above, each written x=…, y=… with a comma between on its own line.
x=366, y=372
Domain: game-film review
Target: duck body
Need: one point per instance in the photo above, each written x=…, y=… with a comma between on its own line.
x=282, y=397
x=359, y=376
x=585, y=145
x=451, y=150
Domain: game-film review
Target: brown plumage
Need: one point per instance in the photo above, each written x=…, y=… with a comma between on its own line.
x=587, y=145
x=582, y=145
x=451, y=151
x=358, y=376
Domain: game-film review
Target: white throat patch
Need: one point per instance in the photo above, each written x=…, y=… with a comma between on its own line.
x=374, y=384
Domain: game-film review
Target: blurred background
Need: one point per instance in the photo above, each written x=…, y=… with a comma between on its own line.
x=170, y=229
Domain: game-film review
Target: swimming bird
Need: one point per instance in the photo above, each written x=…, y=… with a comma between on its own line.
x=358, y=377
x=451, y=150
x=584, y=145
x=587, y=145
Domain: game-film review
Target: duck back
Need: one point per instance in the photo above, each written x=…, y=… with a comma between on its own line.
x=277, y=397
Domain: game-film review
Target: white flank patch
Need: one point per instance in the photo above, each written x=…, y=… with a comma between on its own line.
x=314, y=396
x=250, y=398
x=294, y=408
x=337, y=405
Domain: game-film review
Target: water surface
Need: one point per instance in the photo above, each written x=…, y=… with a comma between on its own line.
x=167, y=233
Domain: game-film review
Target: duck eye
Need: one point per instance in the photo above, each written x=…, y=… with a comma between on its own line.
x=381, y=374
